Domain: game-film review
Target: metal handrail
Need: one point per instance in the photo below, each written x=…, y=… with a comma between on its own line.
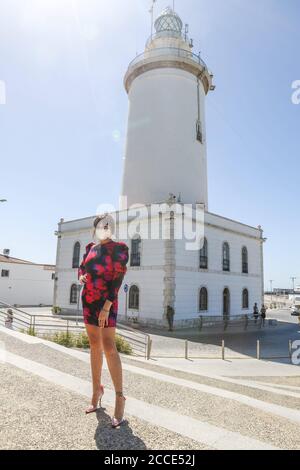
x=176, y=51
x=38, y=322
x=5, y=305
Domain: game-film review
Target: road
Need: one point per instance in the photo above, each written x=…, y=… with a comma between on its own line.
x=274, y=342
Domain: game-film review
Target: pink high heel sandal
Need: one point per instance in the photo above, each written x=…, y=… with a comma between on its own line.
x=114, y=421
x=91, y=408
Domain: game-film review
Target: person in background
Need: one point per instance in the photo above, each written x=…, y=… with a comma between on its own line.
x=9, y=319
x=255, y=312
x=263, y=314
x=170, y=317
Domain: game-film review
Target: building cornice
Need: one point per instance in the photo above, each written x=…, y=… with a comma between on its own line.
x=180, y=63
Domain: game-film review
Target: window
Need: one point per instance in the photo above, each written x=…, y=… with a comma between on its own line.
x=244, y=260
x=245, y=298
x=5, y=273
x=226, y=257
x=76, y=255
x=204, y=255
x=134, y=297
x=135, y=252
x=73, y=294
x=203, y=300
x=199, y=133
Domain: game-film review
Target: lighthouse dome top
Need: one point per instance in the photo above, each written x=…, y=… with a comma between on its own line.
x=168, y=20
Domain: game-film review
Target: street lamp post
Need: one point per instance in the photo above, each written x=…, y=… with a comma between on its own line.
x=271, y=284
x=293, y=281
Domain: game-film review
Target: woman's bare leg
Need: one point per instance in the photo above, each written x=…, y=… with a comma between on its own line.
x=96, y=356
x=115, y=367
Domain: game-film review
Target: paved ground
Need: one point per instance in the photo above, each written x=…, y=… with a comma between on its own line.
x=171, y=403
x=274, y=341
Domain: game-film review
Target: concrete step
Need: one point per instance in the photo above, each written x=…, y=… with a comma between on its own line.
x=210, y=408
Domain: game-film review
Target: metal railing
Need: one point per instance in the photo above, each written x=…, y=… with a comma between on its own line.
x=237, y=321
x=168, y=51
x=142, y=344
x=220, y=349
x=47, y=325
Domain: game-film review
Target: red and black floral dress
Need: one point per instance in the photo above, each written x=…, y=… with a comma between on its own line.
x=105, y=266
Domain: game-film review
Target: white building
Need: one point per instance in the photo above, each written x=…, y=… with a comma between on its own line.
x=166, y=164
x=25, y=283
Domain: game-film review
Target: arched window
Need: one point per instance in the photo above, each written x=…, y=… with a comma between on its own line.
x=135, y=252
x=245, y=298
x=226, y=257
x=226, y=303
x=203, y=300
x=134, y=298
x=244, y=260
x=73, y=294
x=76, y=255
x=204, y=255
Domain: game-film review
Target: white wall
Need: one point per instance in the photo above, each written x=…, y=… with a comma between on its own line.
x=27, y=284
x=150, y=276
x=190, y=278
x=161, y=143
x=187, y=293
x=65, y=273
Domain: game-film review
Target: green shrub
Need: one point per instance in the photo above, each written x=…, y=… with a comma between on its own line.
x=79, y=340
x=122, y=345
x=55, y=309
x=31, y=331
x=82, y=341
x=63, y=338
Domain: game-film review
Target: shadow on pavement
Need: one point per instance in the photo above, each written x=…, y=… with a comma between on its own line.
x=120, y=438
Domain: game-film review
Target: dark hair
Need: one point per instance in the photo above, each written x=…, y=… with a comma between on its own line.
x=108, y=217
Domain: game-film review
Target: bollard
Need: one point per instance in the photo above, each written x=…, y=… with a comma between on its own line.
x=33, y=327
x=149, y=342
x=290, y=349
x=258, y=349
x=223, y=350
x=186, y=349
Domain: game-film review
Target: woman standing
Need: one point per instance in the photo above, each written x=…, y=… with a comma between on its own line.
x=102, y=270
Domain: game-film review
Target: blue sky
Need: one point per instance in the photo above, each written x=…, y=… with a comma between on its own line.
x=62, y=129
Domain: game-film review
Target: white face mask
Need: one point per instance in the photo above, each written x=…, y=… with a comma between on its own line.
x=102, y=234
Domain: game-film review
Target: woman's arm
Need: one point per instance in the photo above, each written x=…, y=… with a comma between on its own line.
x=120, y=259
x=81, y=269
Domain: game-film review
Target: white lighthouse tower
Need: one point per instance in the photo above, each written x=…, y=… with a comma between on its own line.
x=166, y=145
x=165, y=155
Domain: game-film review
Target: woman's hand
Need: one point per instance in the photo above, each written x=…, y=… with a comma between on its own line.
x=103, y=318
x=82, y=279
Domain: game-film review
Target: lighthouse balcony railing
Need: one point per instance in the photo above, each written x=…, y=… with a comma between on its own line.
x=162, y=52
